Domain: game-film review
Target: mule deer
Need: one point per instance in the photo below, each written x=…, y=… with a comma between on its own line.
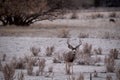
x=70, y=56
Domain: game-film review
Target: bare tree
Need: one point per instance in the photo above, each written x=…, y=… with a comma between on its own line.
x=23, y=12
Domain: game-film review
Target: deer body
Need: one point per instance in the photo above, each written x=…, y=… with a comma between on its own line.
x=70, y=56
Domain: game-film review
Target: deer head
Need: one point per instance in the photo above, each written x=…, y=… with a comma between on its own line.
x=73, y=48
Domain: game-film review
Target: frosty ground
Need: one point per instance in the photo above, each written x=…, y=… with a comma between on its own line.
x=16, y=41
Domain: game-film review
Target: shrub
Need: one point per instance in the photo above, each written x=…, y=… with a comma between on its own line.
x=30, y=68
x=55, y=60
x=80, y=77
x=50, y=69
x=74, y=16
x=114, y=53
x=20, y=76
x=108, y=77
x=35, y=51
x=64, y=33
x=106, y=35
x=117, y=71
x=8, y=72
x=49, y=50
x=94, y=16
x=110, y=64
x=20, y=64
x=0, y=66
x=87, y=49
x=114, y=15
x=83, y=35
x=41, y=64
x=4, y=57
x=98, y=51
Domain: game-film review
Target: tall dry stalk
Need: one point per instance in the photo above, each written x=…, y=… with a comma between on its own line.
x=80, y=77
x=8, y=72
x=110, y=63
x=108, y=77
x=49, y=50
x=0, y=66
x=114, y=53
x=98, y=51
x=30, y=68
x=20, y=76
x=117, y=71
x=41, y=64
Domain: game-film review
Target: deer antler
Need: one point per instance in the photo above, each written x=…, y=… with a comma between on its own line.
x=80, y=43
x=69, y=46
x=73, y=48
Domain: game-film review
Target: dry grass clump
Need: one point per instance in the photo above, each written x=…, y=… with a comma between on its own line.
x=20, y=76
x=8, y=72
x=4, y=57
x=94, y=16
x=50, y=69
x=83, y=35
x=87, y=48
x=58, y=58
x=84, y=56
x=109, y=62
x=109, y=35
x=30, y=68
x=113, y=15
x=55, y=60
x=41, y=64
x=0, y=66
x=64, y=33
x=98, y=51
x=74, y=16
x=80, y=77
x=50, y=50
x=117, y=71
x=19, y=64
x=35, y=51
x=108, y=77
x=114, y=53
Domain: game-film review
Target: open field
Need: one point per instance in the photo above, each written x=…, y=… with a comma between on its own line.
x=16, y=45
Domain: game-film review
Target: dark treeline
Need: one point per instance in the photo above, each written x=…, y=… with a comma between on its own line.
x=25, y=12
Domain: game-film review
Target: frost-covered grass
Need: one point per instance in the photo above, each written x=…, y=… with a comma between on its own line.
x=20, y=46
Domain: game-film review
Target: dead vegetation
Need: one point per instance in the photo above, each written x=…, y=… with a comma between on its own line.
x=50, y=50
x=74, y=15
x=20, y=76
x=110, y=63
x=94, y=16
x=64, y=33
x=117, y=71
x=83, y=35
x=8, y=72
x=35, y=51
x=98, y=51
x=113, y=15
x=30, y=68
x=70, y=58
x=114, y=53
x=108, y=77
x=41, y=64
